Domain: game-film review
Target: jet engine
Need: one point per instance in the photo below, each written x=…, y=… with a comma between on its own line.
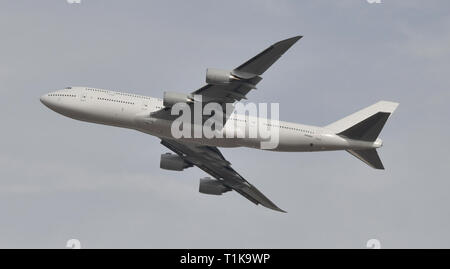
x=212, y=186
x=219, y=77
x=173, y=162
x=171, y=98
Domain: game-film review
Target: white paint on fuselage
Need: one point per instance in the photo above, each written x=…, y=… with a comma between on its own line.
x=133, y=111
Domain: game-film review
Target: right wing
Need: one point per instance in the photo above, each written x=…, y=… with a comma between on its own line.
x=247, y=76
x=211, y=160
x=249, y=72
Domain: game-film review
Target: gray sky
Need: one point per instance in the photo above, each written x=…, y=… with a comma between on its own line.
x=62, y=179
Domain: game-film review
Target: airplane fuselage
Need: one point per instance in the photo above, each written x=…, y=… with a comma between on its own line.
x=133, y=111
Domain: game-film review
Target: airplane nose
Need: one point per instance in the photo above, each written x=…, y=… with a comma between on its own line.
x=44, y=99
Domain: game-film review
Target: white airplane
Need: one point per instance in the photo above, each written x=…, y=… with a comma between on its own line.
x=356, y=134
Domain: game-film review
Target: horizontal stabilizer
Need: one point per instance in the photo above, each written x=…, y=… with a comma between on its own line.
x=369, y=156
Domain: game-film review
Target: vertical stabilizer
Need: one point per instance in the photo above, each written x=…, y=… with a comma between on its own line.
x=365, y=124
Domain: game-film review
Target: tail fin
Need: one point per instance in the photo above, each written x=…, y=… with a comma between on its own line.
x=365, y=125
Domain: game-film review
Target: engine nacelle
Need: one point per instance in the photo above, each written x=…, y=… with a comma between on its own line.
x=212, y=186
x=171, y=98
x=218, y=76
x=172, y=162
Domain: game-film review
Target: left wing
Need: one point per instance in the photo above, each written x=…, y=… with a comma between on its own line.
x=211, y=160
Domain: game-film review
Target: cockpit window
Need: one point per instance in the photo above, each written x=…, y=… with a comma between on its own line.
x=68, y=88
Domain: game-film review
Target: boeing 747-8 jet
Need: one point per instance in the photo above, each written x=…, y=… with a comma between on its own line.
x=356, y=134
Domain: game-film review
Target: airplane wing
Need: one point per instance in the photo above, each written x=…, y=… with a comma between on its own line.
x=242, y=79
x=248, y=74
x=211, y=160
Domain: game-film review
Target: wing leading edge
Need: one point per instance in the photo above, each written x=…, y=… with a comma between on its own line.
x=211, y=160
